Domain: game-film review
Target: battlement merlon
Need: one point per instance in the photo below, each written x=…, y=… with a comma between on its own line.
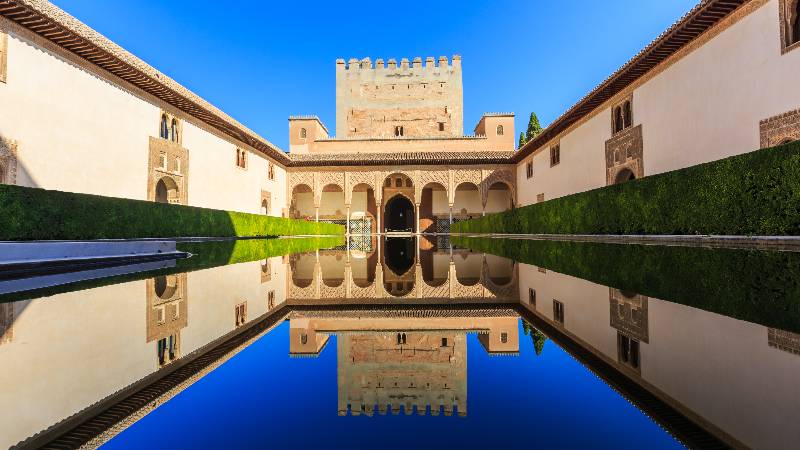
x=430, y=63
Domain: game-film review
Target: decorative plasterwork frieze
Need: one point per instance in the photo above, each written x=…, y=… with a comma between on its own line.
x=625, y=151
x=780, y=129
x=8, y=161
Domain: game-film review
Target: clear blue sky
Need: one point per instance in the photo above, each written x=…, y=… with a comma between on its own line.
x=262, y=61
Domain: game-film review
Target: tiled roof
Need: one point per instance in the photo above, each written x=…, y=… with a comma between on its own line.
x=701, y=18
x=51, y=23
x=400, y=158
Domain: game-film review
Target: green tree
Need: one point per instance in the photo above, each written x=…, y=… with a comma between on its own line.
x=534, y=128
x=522, y=140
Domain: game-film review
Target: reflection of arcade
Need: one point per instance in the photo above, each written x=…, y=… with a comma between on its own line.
x=409, y=268
x=414, y=358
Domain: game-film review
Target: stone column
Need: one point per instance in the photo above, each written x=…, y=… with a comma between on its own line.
x=416, y=207
x=316, y=213
x=347, y=230
x=451, y=215
x=380, y=216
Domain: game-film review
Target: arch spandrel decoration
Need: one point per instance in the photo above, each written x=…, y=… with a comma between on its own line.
x=508, y=291
x=498, y=175
x=8, y=160
x=353, y=179
x=473, y=176
x=433, y=176
x=325, y=179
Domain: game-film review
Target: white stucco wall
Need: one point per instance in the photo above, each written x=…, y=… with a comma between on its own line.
x=703, y=107
x=79, y=132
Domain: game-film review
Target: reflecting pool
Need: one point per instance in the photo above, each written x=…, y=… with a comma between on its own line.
x=408, y=342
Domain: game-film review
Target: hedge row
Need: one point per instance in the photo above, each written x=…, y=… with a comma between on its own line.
x=761, y=287
x=38, y=214
x=756, y=193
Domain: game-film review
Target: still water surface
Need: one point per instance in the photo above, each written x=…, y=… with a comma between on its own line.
x=404, y=342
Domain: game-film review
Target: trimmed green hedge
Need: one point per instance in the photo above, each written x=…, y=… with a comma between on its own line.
x=756, y=193
x=757, y=286
x=38, y=214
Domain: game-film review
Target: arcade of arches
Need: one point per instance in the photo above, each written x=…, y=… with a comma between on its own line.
x=411, y=201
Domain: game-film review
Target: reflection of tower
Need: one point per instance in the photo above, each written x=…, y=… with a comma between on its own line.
x=417, y=370
x=629, y=318
x=413, y=359
x=167, y=314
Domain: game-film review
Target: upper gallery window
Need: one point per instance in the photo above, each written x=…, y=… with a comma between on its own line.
x=164, y=129
x=169, y=128
x=529, y=170
x=241, y=158
x=499, y=130
x=303, y=133
x=271, y=171
x=622, y=116
x=398, y=131
x=790, y=26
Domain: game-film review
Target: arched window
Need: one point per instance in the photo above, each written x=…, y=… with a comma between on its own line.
x=499, y=130
x=618, y=121
x=174, y=130
x=627, y=113
x=303, y=133
x=398, y=131
x=164, y=132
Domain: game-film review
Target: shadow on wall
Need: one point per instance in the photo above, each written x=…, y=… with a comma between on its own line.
x=756, y=286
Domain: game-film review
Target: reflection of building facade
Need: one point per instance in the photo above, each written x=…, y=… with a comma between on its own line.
x=167, y=315
x=689, y=358
x=401, y=268
x=414, y=359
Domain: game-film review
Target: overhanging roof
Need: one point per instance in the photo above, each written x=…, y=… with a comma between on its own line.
x=67, y=32
x=697, y=21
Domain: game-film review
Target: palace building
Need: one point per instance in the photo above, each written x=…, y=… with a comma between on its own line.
x=83, y=115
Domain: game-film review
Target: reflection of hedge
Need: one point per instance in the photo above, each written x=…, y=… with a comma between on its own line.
x=38, y=214
x=205, y=255
x=757, y=286
x=754, y=193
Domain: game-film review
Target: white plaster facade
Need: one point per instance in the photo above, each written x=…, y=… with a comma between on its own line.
x=702, y=104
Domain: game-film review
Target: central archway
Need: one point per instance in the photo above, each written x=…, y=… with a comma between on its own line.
x=399, y=214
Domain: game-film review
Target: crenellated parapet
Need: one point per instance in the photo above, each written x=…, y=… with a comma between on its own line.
x=430, y=63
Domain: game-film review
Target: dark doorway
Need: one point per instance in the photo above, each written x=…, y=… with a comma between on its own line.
x=399, y=254
x=399, y=214
x=625, y=175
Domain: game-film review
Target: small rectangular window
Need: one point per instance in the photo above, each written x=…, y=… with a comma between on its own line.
x=555, y=155
x=540, y=198
x=529, y=170
x=504, y=338
x=628, y=351
x=444, y=342
x=532, y=296
x=558, y=312
x=271, y=172
x=441, y=126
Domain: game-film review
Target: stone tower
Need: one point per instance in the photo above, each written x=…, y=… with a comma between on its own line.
x=411, y=99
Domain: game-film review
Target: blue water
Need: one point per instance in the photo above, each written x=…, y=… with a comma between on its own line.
x=262, y=398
